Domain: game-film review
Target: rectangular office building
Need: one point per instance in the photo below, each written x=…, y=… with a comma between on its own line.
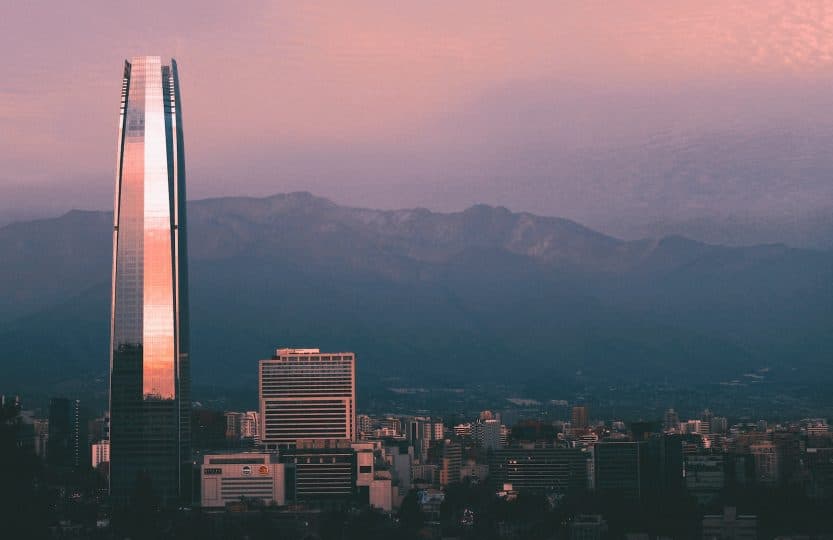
x=228, y=478
x=307, y=394
x=320, y=470
x=542, y=470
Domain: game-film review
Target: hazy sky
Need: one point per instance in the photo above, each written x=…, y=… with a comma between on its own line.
x=598, y=111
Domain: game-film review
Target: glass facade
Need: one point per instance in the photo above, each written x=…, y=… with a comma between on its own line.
x=149, y=365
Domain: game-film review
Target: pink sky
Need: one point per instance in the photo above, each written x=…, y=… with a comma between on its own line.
x=571, y=108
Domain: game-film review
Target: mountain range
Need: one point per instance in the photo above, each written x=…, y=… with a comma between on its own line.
x=423, y=297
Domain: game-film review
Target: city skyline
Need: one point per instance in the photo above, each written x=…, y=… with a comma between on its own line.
x=654, y=364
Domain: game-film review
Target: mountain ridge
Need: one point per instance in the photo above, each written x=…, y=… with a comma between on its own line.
x=408, y=289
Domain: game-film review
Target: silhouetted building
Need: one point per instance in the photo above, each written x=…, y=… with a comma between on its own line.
x=208, y=429
x=730, y=526
x=788, y=450
x=766, y=463
x=705, y=476
x=149, y=353
x=588, y=527
x=542, y=470
x=671, y=421
x=540, y=433
x=636, y=470
x=820, y=469
x=68, y=444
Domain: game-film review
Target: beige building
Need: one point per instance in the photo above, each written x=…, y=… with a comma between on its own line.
x=227, y=478
x=307, y=394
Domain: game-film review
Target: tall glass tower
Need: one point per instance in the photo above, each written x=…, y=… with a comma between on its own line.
x=149, y=364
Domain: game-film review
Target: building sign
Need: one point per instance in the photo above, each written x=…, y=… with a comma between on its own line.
x=247, y=470
x=263, y=470
x=212, y=470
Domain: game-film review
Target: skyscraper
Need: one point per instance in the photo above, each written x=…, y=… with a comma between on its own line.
x=149, y=364
x=68, y=445
x=579, y=417
x=307, y=394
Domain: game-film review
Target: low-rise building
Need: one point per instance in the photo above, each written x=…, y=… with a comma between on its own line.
x=229, y=478
x=730, y=525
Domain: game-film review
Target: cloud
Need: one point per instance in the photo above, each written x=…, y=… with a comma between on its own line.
x=425, y=102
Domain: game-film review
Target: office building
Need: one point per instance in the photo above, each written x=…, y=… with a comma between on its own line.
x=399, y=457
x=486, y=434
x=41, y=432
x=820, y=470
x=381, y=492
x=364, y=425
x=373, y=486
x=421, y=431
x=149, y=360
x=227, y=478
x=448, y=456
x=588, y=527
x=766, y=460
x=540, y=470
x=705, y=477
x=625, y=468
x=68, y=434
x=730, y=525
x=719, y=425
x=233, y=421
x=307, y=394
x=320, y=471
x=671, y=421
x=100, y=453
x=579, y=417
x=463, y=430
x=250, y=426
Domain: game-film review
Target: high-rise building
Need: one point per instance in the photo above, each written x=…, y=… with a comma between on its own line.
x=671, y=421
x=250, y=426
x=233, y=421
x=68, y=445
x=620, y=468
x=448, y=457
x=579, y=417
x=765, y=455
x=100, y=453
x=421, y=431
x=41, y=429
x=486, y=434
x=705, y=476
x=149, y=360
x=307, y=394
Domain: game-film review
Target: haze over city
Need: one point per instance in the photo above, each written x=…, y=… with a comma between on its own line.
x=448, y=270
x=700, y=118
